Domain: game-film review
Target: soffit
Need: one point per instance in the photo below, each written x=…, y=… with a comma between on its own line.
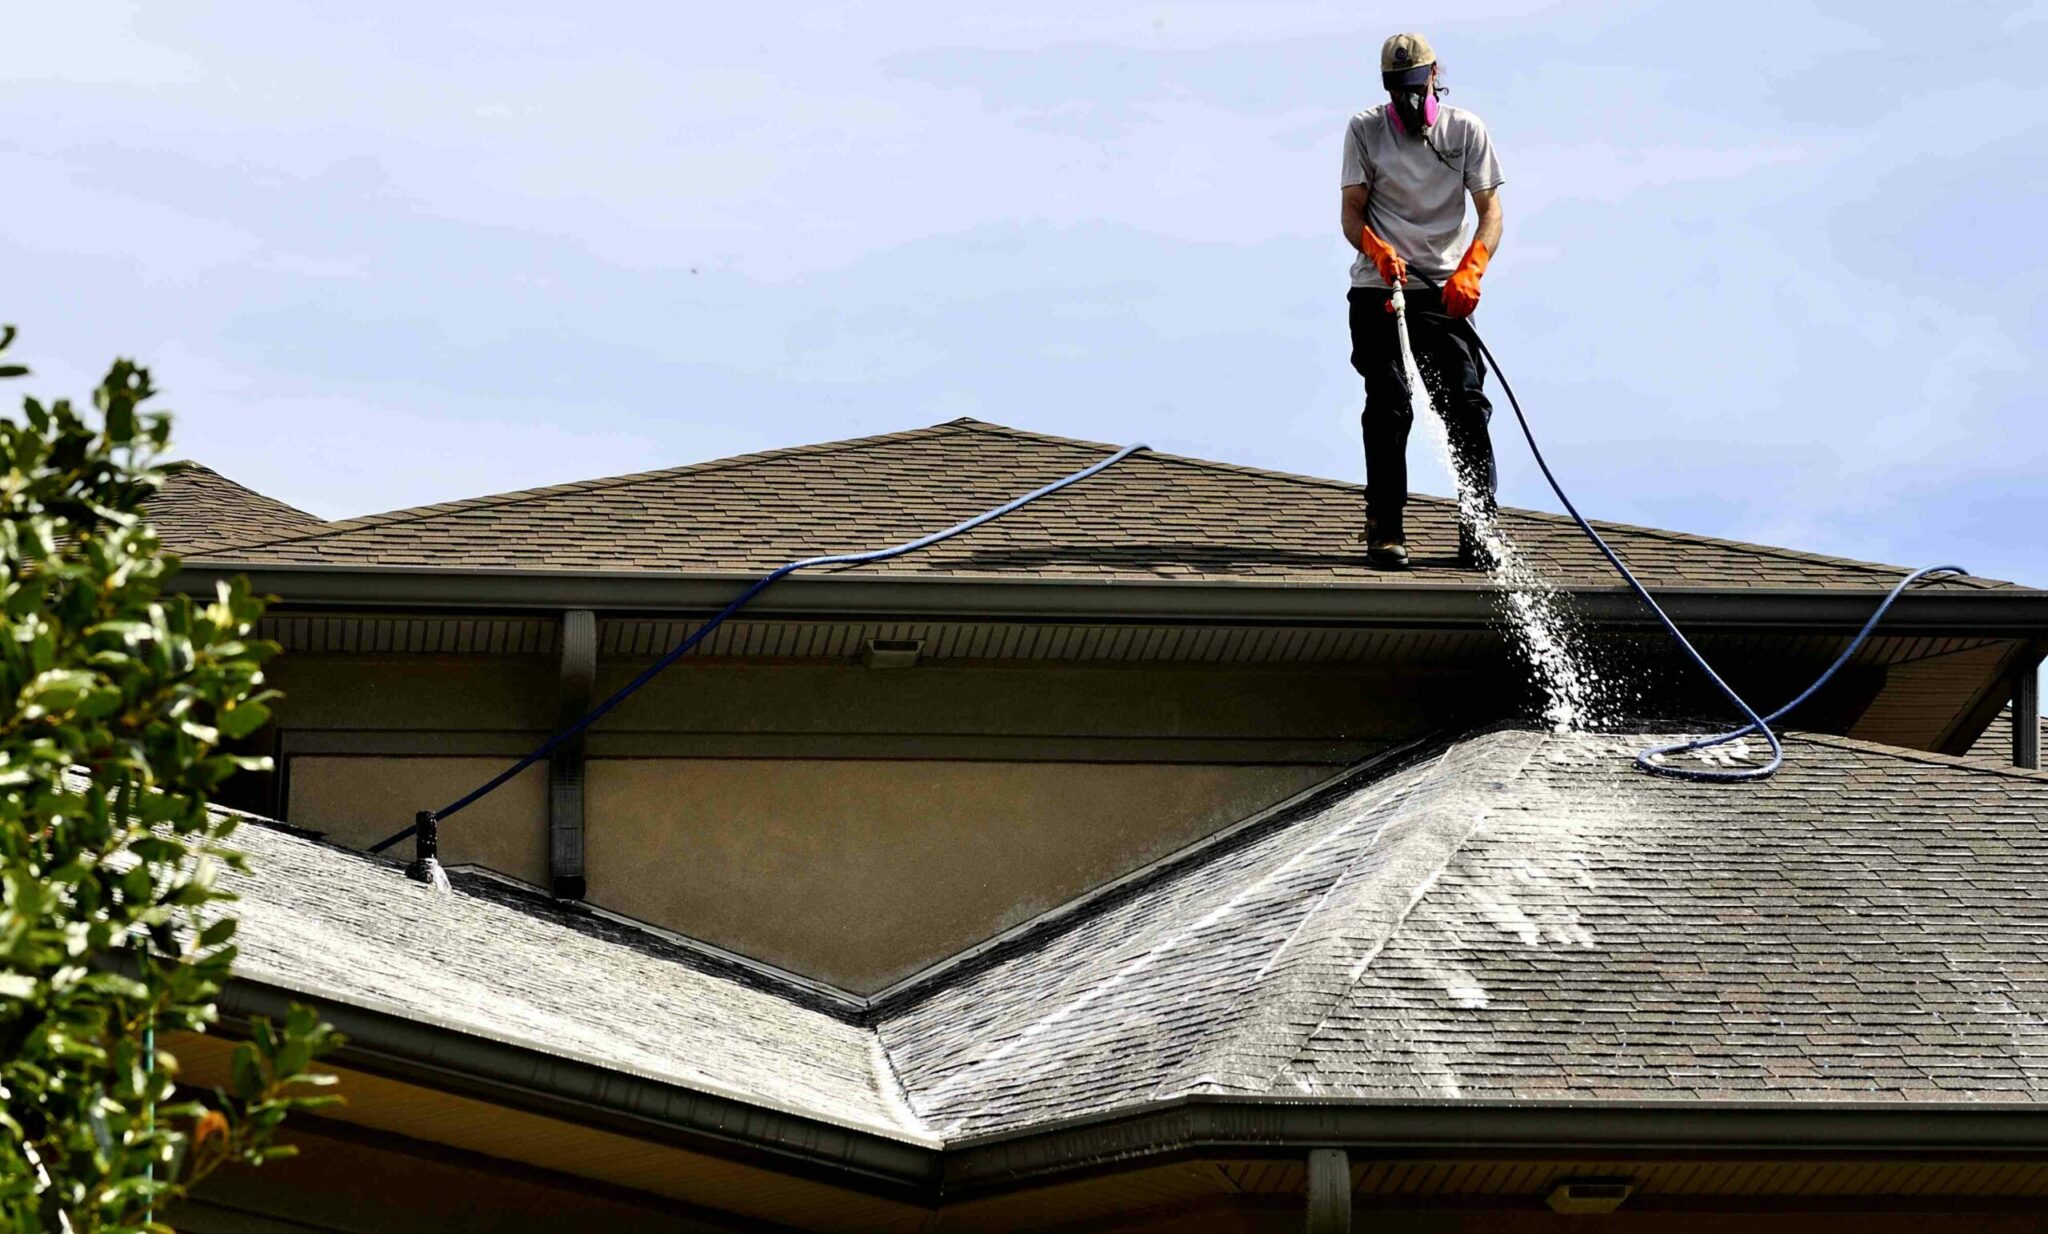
x=417, y=1112
x=647, y=637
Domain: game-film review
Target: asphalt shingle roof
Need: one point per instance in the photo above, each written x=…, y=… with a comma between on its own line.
x=335, y=924
x=1860, y=927
x=1516, y=915
x=198, y=509
x=1154, y=516
x=1865, y=927
x=1195, y=981
x=1993, y=748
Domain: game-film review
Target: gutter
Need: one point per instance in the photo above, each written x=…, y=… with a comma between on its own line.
x=536, y=1081
x=1586, y=1130
x=1988, y=612
x=518, y=1077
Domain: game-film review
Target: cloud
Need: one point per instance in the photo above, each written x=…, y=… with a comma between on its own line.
x=386, y=254
x=95, y=45
x=1605, y=171
x=71, y=207
x=2025, y=17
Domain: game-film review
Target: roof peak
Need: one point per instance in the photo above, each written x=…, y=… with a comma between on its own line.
x=1158, y=516
x=601, y=483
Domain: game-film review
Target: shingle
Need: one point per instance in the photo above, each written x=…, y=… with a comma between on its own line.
x=1152, y=517
x=1889, y=950
x=1515, y=915
x=1862, y=926
x=337, y=925
x=199, y=510
x=1994, y=747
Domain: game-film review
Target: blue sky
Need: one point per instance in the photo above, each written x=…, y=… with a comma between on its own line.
x=1770, y=272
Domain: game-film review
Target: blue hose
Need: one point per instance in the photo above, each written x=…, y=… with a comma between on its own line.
x=756, y=588
x=1647, y=759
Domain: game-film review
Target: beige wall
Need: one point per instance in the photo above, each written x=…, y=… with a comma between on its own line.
x=851, y=824
x=359, y=801
x=415, y=693
x=433, y=704
x=860, y=872
x=854, y=872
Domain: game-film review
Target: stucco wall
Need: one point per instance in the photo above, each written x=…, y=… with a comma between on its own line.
x=859, y=872
x=851, y=824
x=358, y=801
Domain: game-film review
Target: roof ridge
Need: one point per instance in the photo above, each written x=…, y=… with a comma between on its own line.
x=1907, y=754
x=1744, y=546
x=600, y=484
x=1660, y=533
x=192, y=466
x=366, y=533
x=1206, y=464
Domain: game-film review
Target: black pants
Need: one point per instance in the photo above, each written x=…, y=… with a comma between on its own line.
x=1454, y=373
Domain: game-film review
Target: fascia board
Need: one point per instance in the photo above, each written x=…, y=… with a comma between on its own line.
x=1587, y=1129
x=449, y=1060
x=445, y=1058
x=1998, y=612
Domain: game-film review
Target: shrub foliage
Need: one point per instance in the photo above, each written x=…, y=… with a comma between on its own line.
x=119, y=707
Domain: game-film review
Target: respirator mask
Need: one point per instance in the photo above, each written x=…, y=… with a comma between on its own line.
x=1414, y=99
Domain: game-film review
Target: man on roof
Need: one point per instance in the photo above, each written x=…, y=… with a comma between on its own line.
x=1409, y=164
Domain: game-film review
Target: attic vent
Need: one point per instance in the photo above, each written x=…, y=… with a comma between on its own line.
x=1589, y=1197
x=891, y=652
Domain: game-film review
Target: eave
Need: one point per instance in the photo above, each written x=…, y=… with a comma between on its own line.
x=932, y=1173
x=1231, y=1125
x=1994, y=612
x=535, y=1080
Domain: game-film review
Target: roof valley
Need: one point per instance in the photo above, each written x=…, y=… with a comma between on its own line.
x=1315, y=969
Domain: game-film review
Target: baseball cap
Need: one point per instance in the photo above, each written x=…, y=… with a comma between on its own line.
x=1405, y=59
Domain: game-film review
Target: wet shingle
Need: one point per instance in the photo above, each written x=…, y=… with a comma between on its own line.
x=1516, y=915
x=337, y=925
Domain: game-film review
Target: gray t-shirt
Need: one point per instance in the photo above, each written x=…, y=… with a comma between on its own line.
x=1417, y=201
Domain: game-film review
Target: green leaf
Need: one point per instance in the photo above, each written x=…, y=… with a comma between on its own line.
x=57, y=689
x=243, y=720
x=103, y=881
x=247, y=1071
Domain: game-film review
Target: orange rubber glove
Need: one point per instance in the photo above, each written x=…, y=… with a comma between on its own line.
x=1393, y=271
x=1461, y=290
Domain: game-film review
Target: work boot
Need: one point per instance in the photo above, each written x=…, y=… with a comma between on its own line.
x=1385, y=549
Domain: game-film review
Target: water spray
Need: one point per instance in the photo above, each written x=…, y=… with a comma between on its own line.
x=1537, y=615
x=1651, y=760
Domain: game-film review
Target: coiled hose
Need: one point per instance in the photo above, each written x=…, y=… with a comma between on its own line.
x=1648, y=759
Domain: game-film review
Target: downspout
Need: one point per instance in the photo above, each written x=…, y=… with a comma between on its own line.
x=1329, y=1191
x=578, y=657
x=2026, y=716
